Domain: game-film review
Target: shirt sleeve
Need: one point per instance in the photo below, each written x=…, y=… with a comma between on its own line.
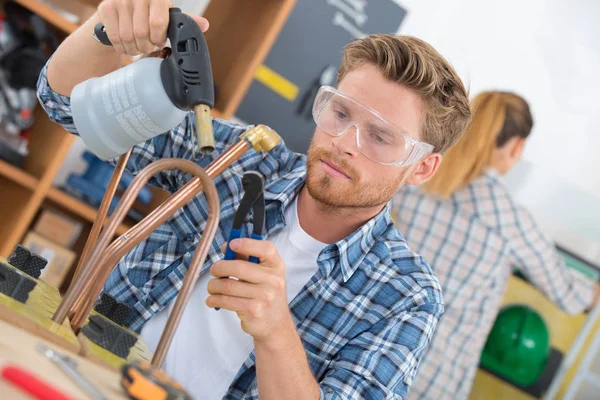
x=381, y=363
x=536, y=255
x=177, y=143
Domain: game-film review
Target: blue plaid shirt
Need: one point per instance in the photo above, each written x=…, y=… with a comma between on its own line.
x=365, y=317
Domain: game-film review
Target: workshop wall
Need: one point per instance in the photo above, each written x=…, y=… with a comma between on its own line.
x=548, y=52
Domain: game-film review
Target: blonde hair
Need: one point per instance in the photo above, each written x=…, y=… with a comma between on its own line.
x=416, y=65
x=498, y=117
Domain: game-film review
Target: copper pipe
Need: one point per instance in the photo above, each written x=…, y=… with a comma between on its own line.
x=102, y=211
x=135, y=235
x=140, y=231
x=193, y=271
x=127, y=201
x=90, y=285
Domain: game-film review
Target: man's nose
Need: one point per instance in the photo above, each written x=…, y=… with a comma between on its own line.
x=346, y=142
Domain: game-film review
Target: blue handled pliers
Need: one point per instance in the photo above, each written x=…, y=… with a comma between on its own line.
x=254, y=198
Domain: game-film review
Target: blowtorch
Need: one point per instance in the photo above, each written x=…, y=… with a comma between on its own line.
x=150, y=96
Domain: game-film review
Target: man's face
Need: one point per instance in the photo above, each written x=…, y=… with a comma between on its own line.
x=338, y=175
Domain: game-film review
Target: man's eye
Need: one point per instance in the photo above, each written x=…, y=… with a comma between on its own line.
x=341, y=115
x=379, y=139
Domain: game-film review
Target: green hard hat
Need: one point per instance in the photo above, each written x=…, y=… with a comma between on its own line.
x=518, y=345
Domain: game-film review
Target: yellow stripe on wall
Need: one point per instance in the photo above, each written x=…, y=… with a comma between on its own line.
x=276, y=83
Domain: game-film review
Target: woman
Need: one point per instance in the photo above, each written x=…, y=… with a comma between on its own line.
x=465, y=223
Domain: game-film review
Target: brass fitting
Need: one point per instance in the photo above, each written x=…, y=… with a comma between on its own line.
x=204, y=129
x=261, y=137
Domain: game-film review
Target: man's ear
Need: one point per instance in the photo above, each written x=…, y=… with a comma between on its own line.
x=424, y=169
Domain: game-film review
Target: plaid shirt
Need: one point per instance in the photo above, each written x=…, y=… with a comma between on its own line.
x=472, y=241
x=365, y=317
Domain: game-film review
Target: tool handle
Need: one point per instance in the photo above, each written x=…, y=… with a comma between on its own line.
x=31, y=384
x=187, y=74
x=253, y=259
x=101, y=34
x=234, y=234
x=230, y=254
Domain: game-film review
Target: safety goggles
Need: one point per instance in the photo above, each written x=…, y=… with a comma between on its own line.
x=376, y=137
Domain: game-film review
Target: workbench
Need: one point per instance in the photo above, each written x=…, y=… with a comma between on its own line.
x=17, y=347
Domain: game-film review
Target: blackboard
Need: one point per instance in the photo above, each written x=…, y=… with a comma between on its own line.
x=312, y=38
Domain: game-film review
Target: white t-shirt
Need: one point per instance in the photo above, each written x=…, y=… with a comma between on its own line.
x=209, y=346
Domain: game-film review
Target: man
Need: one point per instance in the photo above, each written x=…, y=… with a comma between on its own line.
x=339, y=307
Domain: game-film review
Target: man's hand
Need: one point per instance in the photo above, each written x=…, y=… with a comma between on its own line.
x=138, y=26
x=259, y=296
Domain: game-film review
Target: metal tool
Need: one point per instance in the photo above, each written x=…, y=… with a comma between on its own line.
x=150, y=96
x=326, y=77
x=341, y=21
x=69, y=367
x=358, y=16
x=359, y=5
x=254, y=198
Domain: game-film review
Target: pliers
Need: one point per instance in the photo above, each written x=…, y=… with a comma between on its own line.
x=254, y=198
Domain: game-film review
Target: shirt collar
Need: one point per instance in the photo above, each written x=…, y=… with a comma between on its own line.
x=279, y=195
x=351, y=250
x=285, y=189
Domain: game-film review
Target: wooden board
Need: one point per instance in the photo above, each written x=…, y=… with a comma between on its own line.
x=79, y=208
x=15, y=201
x=240, y=36
x=487, y=386
x=35, y=315
x=17, y=347
x=59, y=13
x=17, y=175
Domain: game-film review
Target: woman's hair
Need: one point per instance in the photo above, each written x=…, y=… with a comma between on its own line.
x=497, y=118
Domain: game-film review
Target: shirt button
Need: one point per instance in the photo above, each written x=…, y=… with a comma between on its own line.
x=189, y=237
x=329, y=390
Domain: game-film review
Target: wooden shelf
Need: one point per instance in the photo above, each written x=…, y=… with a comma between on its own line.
x=50, y=13
x=78, y=207
x=16, y=203
x=216, y=113
x=17, y=175
x=240, y=36
x=239, y=39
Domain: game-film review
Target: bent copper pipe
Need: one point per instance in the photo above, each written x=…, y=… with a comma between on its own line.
x=124, y=205
x=102, y=211
x=90, y=282
x=94, y=277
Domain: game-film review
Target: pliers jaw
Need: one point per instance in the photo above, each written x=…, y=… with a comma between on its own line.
x=254, y=199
